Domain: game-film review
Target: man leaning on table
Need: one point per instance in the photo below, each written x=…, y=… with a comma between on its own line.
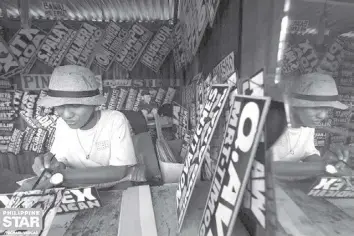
x=310, y=98
x=91, y=147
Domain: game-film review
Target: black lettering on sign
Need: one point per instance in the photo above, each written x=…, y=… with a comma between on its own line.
x=134, y=45
x=225, y=68
x=8, y=63
x=158, y=49
x=35, y=82
x=215, y=102
x=236, y=156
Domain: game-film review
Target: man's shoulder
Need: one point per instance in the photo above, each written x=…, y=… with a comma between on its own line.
x=113, y=116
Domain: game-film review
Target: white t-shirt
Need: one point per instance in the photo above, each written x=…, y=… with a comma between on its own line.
x=109, y=143
x=294, y=145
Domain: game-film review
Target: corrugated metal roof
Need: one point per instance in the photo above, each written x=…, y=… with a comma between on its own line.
x=99, y=10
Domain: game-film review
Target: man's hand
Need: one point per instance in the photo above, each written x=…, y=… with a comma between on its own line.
x=28, y=185
x=42, y=162
x=337, y=153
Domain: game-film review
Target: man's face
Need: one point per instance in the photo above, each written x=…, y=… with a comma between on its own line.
x=75, y=115
x=312, y=117
x=147, y=98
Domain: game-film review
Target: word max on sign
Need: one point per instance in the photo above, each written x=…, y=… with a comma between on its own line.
x=236, y=156
x=331, y=187
x=214, y=104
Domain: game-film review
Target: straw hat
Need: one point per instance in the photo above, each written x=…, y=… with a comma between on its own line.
x=315, y=90
x=72, y=84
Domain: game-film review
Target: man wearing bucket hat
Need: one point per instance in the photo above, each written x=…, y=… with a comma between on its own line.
x=95, y=146
x=309, y=100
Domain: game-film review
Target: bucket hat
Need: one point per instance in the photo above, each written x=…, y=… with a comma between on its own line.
x=72, y=84
x=315, y=90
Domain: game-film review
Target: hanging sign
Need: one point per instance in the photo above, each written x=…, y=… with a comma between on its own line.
x=131, y=50
x=194, y=14
x=83, y=45
x=210, y=115
x=55, y=10
x=158, y=49
x=239, y=147
x=225, y=68
x=180, y=55
x=149, y=83
x=213, y=8
x=57, y=42
x=25, y=43
x=9, y=66
x=109, y=46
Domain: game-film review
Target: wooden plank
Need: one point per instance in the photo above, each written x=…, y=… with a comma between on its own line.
x=325, y=216
x=61, y=224
x=292, y=218
x=346, y=205
x=147, y=217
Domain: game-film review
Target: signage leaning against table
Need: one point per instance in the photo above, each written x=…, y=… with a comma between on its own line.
x=244, y=128
x=225, y=68
x=24, y=45
x=158, y=49
x=215, y=102
x=57, y=42
x=134, y=45
x=82, y=47
x=109, y=46
x=9, y=66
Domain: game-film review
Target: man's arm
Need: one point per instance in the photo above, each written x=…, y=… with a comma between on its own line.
x=299, y=169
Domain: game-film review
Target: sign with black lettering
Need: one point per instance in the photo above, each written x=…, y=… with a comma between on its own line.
x=225, y=68
x=134, y=45
x=73, y=200
x=109, y=46
x=215, y=102
x=83, y=45
x=195, y=16
x=180, y=55
x=254, y=85
x=243, y=132
x=35, y=81
x=9, y=66
x=213, y=7
x=180, y=120
x=25, y=43
x=148, y=83
x=332, y=187
x=57, y=42
x=158, y=49
x=55, y=9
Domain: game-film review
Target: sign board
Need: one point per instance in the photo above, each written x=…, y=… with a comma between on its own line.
x=180, y=55
x=73, y=200
x=9, y=66
x=225, y=68
x=213, y=8
x=109, y=46
x=243, y=132
x=25, y=43
x=149, y=83
x=254, y=85
x=332, y=187
x=57, y=42
x=56, y=10
x=215, y=102
x=81, y=49
x=158, y=49
x=180, y=120
x=134, y=45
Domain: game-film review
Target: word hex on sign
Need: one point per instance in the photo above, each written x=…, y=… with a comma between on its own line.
x=214, y=104
x=236, y=156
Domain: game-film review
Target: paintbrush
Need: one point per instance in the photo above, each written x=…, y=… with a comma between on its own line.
x=43, y=173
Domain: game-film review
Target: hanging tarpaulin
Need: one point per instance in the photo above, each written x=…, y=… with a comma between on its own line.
x=133, y=47
x=158, y=49
x=195, y=15
x=110, y=44
x=81, y=50
x=9, y=66
x=24, y=45
x=213, y=7
x=54, y=47
x=56, y=10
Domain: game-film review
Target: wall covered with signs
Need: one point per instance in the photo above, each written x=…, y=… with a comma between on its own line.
x=132, y=62
x=214, y=62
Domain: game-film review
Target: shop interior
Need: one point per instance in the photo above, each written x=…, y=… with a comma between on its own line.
x=182, y=72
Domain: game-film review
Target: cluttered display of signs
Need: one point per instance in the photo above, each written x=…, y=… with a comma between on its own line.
x=134, y=45
x=73, y=200
x=215, y=102
x=244, y=128
x=46, y=200
x=8, y=63
x=332, y=187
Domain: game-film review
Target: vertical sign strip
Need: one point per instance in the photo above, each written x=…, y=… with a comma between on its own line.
x=244, y=128
x=215, y=102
